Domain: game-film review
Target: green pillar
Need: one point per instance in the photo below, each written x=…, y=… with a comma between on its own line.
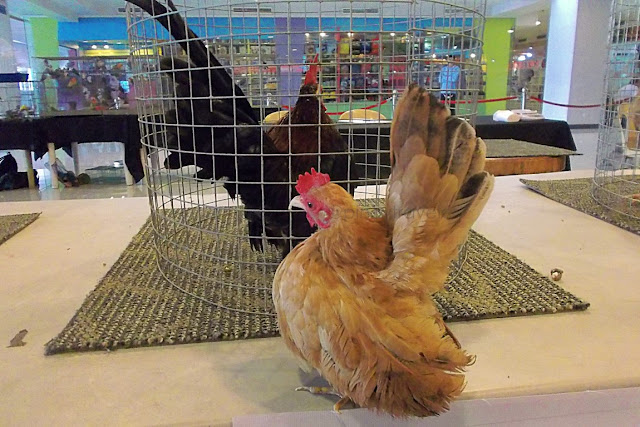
x=497, y=56
x=44, y=42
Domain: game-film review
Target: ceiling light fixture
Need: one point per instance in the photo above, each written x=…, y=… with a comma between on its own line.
x=473, y=55
x=510, y=30
x=93, y=46
x=106, y=46
x=538, y=22
x=323, y=34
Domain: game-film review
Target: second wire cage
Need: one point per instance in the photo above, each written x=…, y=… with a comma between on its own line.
x=236, y=99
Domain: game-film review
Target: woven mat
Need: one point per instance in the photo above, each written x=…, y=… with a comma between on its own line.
x=516, y=148
x=10, y=225
x=135, y=305
x=576, y=193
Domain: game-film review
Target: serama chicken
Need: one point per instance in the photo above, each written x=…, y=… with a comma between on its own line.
x=354, y=300
x=214, y=127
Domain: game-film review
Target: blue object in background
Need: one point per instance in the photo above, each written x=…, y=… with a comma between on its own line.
x=13, y=77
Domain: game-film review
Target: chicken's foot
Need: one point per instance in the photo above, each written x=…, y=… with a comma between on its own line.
x=329, y=391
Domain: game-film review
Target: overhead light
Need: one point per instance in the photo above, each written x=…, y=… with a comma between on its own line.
x=528, y=54
x=429, y=33
x=307, y=34
x=106, y=46
x=93, y=46
x=444, y=37
x=521, y=58
x=433, y=56
x=473, y=55
x=392, y=34
x=510, y=30
x=538, y=22
x=455, y=46
x=323, y=34
x=530, y=47
x=350, y=34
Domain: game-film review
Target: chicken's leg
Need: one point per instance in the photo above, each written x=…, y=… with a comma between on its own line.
x=328, y=390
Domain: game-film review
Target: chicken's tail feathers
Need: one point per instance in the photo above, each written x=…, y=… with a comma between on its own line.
x=220, y=81
x=437, y=160
x=436, y=190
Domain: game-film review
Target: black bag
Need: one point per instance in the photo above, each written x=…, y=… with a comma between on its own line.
x=8, y=164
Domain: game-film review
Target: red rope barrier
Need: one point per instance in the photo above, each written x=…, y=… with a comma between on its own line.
x=337, y=113
x=480, y=101
x=563, y=105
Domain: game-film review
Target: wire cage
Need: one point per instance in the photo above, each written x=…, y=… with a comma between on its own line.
x=236, y=99
x=616, y=183
x=20, y=99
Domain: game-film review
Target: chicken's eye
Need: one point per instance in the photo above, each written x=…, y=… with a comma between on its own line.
x=310, y=205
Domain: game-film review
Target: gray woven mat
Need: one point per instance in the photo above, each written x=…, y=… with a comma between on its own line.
x=516, y=148
x=135, y=305
x=576, y=193
x=12, y=224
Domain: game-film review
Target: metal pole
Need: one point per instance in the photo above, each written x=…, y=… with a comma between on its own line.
x=523, y=100
x=394, y=98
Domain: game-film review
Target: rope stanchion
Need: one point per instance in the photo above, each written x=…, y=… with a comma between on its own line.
x=542, y=101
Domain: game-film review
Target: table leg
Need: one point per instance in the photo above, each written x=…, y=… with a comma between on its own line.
x=127, y=176
x=52, y=163
x=30, y=175
x=76, y=159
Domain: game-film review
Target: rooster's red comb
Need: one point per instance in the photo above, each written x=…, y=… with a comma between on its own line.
x=310, y=180
x=312, y=74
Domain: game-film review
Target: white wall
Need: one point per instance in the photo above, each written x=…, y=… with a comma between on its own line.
x=576, y=59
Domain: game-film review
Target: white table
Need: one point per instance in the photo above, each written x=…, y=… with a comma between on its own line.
x=48, y=268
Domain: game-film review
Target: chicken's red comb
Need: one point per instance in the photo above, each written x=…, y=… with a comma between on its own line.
x=312, y=74
x=310, y=180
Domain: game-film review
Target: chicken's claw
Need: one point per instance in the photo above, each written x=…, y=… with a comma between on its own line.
x=319, y=390
x=340, y=403
x=344, y=400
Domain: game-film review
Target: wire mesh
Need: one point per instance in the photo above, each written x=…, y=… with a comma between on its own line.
x=616, y=183
x=20, y=99
x=220, y=87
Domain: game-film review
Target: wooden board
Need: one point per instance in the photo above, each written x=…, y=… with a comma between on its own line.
x=501, y=166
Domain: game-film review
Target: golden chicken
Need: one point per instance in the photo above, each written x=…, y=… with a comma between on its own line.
x=354, y=300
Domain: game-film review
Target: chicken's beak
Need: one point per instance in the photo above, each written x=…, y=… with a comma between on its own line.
x=296, y=202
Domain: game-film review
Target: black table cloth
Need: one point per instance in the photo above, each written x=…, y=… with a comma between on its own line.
x=122, y=126
x=554, y=133
x=63, y=130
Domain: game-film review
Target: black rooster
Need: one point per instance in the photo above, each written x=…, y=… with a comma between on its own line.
x=214, y=127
